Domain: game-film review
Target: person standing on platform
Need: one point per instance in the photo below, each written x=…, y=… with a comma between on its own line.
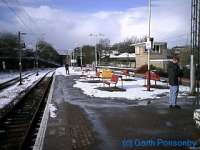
x=173, y=76
x=67, y=68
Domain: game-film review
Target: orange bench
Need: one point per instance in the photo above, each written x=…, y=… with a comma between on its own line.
x=114, y=80
x=106, y=74
x=153, y=76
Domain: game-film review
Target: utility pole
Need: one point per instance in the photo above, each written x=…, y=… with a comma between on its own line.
x=195, y=49
x=96, y=63
x=74, y=57
x=198, y=54
x=36, y=50
x=193, y=45
x=81, y=48
x=100, y=48
x=95, y=48
x=149, y=50
x=20, y=58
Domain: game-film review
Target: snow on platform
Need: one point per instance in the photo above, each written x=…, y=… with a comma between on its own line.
x=9, y=94
x=135, y=90
x=52, y=110
x=72, y=71
x=197, y=117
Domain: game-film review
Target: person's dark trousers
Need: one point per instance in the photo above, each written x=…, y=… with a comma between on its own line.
x=173, y=94
x=67, y=71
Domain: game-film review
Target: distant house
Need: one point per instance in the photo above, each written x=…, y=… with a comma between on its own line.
x=177, y=49
x=183, y=52
x=122, y=60
x=158, y=56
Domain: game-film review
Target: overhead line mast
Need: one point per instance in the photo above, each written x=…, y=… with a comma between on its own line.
x=195, y=49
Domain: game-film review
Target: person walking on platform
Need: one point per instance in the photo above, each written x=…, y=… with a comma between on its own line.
x=173, y=76
x=67, y=68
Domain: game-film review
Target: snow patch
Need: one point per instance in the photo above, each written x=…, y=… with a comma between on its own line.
x=72, y=71
x=52, y=110
x=134, y=90
x=6, y=76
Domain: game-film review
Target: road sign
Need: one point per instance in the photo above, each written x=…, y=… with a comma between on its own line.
x=149, y=43
x=73, y=61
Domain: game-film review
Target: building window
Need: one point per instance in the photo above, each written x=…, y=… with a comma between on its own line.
x=156, y=48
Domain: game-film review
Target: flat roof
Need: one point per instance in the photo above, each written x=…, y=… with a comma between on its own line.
x=155, y=43
x=123, y=55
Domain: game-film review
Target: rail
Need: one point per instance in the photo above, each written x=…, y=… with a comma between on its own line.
x=17, y=123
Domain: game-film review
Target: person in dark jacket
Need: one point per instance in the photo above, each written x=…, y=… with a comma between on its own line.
x=67, y=68
x=173, y=76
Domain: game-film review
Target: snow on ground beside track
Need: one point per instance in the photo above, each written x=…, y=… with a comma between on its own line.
x=72, y=71
x=134, y=90
x=9, y=94
x=8, y=76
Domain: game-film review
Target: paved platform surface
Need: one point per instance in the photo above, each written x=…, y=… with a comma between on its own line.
x=89, y=123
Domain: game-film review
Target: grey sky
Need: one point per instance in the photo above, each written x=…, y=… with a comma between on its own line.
x=65, y=25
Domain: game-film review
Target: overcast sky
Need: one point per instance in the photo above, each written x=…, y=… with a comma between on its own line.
x=68, y=23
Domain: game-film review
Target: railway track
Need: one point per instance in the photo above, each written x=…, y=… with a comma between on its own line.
x=19, y=127
x=8, y=83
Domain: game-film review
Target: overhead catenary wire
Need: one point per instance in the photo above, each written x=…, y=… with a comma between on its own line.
x=18, y=17
x=22, y=21
x=28, y=15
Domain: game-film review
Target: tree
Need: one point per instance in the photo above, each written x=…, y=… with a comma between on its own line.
x=8, y=45
x=125, y=46
x=48, y=52
x=185, y=56
x=88, y=54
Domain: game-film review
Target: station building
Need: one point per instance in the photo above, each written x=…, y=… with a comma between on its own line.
x=159, y=56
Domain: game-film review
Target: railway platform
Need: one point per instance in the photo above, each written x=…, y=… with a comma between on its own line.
x=91, y=123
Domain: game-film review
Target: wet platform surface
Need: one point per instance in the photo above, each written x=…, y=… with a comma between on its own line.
x=85, y=122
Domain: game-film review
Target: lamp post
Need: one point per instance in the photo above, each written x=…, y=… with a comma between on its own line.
x=95, y=35
x=20, y=56
x=81, y=53
x=95, y=49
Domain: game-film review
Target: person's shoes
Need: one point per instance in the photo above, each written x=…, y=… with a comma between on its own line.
x=177, y=106
x=170, y=106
